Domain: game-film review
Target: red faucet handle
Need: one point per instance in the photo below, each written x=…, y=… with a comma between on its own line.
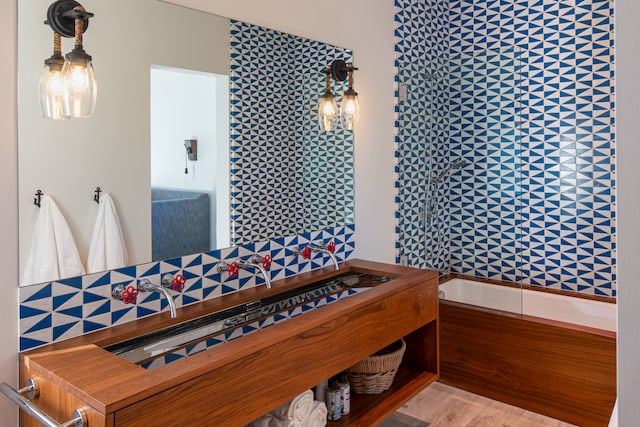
x=306, y=252
x=130, y=295
x=266, y=261
x=233, y=269
x=177, y=283
x=331, y=247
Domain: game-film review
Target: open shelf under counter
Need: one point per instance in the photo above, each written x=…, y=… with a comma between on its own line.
x=419, y=368
x=370, y=409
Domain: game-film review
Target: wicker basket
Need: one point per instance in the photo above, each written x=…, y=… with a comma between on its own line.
x=374, y=374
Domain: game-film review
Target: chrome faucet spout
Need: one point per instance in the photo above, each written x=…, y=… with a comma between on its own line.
x=315, y=247
x=256, y=262
x=145, y=285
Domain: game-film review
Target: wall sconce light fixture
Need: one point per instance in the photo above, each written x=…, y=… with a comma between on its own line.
x=68, y=85
x=349, y=107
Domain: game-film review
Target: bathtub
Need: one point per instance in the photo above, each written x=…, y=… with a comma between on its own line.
x=546, y=352
x=553, y=306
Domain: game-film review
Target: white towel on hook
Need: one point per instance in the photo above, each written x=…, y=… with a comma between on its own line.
x=53, y=253
x=108, y=249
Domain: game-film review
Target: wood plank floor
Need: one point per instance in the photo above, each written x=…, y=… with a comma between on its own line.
x=444, y=406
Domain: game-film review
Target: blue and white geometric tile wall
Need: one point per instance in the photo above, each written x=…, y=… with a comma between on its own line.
x=485, y=132
x=286, y=175
x=550, y=114
x=421, y=117
x=67, y=308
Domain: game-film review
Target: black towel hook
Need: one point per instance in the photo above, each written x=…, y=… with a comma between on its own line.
x=96, y=197
x=36, y=200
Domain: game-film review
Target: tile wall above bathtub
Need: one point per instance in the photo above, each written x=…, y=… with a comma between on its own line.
x=524, y=92
x=54, y=311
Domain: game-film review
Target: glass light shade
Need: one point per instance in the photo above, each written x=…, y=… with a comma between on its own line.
x=349, y=110
x=82, y=88
x=52, y=93
x=327, y=111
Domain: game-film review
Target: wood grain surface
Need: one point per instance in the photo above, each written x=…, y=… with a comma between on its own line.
x=564, y=371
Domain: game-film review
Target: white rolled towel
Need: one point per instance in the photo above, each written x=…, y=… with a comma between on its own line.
x=318, y=415
x=297, y=409
x=263, y=421
x=277, y=422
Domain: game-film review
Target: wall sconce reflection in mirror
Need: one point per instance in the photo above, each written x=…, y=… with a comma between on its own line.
x=191, y=146
x=349, y=107
x=68, y=87
x=191, y=155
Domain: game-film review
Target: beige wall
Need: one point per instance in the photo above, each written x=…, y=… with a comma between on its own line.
x=628, y=172
x=9, y=211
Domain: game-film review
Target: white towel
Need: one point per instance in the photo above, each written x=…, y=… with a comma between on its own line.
x=318, y=415
x=297, y=409
x=268, y=420
x=108, y=249
x=263, y=421
x=53, y=253
x=277, y=422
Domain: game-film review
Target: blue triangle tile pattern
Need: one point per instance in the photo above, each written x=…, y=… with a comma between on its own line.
x=485, y=131
x=524, y=92
x=285, y=174
x=58, y=310
x=421, y=36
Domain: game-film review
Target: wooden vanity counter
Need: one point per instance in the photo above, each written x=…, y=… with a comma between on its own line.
x=234, y=383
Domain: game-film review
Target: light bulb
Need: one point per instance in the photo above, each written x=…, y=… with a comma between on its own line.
x=327, y=111
x=55, y=82
x=78, y=78
x=81, y=87
x=349, y=110
x=52, y=90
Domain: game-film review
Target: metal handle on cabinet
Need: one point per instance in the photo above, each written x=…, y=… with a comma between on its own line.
x=31, y=391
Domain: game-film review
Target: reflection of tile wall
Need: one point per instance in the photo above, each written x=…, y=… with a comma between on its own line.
x=328, y=156
x=561, y=233
x=55, y=311
x=286, y=176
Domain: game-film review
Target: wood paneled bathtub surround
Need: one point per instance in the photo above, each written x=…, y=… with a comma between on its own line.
x=565, y=371
x=234, y=383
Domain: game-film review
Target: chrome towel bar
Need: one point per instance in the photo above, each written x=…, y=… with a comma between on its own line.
x=31, y=391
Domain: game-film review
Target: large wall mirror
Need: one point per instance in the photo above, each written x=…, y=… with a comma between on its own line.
x=166, y=75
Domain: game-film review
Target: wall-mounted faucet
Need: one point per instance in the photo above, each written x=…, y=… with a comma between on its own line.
x=254, y=262
x=145, y=285
x=129, y=294
x=313, y=247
